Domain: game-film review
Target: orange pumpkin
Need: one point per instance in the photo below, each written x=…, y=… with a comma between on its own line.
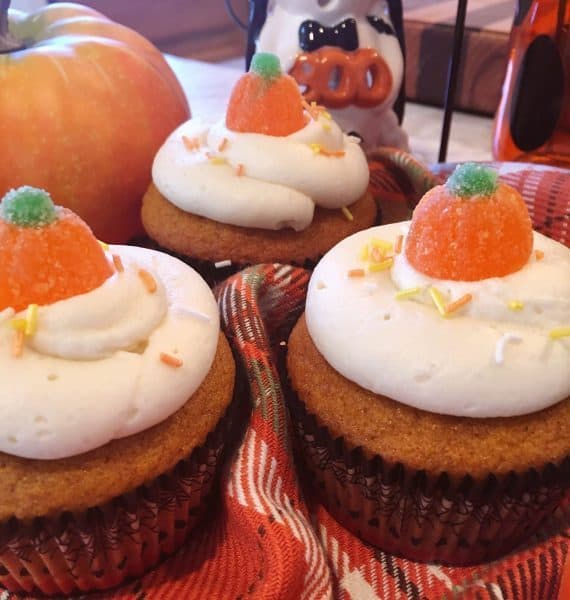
x=85, y=103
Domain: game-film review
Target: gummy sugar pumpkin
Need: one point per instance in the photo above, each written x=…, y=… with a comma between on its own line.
x=470, y=229
x=47, y=253
x=265, y=100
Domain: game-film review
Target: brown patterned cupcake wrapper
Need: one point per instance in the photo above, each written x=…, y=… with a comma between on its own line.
x=410, y=513
x=103, y=546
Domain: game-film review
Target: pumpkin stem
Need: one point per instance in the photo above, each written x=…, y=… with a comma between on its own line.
x=8, y=42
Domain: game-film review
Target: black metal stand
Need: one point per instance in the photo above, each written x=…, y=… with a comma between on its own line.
x=452, y=77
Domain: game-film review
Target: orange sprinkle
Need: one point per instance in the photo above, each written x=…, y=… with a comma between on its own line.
x=148, y=281
x=539, y=254
x=223, y=145
x=460, y=302
x=319, y=149
x=398, y=244
x=311, y=110
x=118, y=263
x=357, y=273
x=170, y=360
x=240, y=172
x=376, y=255
x=191, y=144
x=18, y=343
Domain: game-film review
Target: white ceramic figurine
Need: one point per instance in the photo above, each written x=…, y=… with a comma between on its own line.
x=346, y=54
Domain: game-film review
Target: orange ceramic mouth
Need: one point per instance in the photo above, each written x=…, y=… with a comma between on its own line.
x=336, y=78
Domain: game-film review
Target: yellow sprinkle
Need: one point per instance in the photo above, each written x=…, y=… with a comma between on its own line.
x=381, y=266
x=326, y=115
x=402, y=294
x=349, y=216
x=539, y=254
x=437, y=298
x=559, y=332
x=364, y=253
x=515, y=305
x=326, y=127
x=316, y=148
x=104, y=245
x=382, y=244
x=18, y=324
x=31, y=320
x=217, y=160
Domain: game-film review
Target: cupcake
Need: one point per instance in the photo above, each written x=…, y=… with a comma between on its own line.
x=115, y=401
x=275, y=181
x=430, y=376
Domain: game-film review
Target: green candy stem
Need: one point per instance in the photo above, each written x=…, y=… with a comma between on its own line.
x=266, y=65
x=7, y=41
x=28, y=207
x=470, y=180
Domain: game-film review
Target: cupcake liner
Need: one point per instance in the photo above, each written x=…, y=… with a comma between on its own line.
x=105, y=545
x=410, y=513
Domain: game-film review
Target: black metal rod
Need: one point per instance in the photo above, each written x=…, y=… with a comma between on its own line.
x=452, y=77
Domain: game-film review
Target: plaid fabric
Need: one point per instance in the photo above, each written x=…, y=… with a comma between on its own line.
x=273, y=540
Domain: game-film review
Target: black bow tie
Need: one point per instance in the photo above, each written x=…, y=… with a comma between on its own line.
x=313, y=35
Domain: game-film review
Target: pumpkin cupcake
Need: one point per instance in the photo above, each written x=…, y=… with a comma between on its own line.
x=430, y=376
x=116, y=397
x=275, y=181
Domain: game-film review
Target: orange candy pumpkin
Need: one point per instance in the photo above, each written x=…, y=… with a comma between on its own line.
x=85, y=103
x=46, y=254
x=266, y=101
x=470, y=229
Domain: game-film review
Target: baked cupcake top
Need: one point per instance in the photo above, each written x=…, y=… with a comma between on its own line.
x=268, y=163
x=462, y=311
x=96, y=342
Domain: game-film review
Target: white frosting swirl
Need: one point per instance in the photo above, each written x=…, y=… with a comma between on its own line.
x=92, y=372
x=460, y=365
x=283, y=177
x=118, y=315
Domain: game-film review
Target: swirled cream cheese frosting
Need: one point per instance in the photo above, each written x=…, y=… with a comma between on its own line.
x=92, y=372
x=491, y=359
x=463, y=345
x=267, y=164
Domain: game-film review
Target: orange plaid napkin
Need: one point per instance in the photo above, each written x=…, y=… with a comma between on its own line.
x=271, y=539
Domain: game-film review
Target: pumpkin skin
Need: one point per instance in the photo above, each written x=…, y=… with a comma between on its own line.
x=84, y=108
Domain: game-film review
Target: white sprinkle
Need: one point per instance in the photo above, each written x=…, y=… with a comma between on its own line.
x=371, y=287
x=222, y=264
x=6, y=314
x=188, y=312
x=500, y=347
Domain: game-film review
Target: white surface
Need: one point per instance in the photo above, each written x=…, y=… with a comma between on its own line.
x=405, y=350
x=208, y=88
